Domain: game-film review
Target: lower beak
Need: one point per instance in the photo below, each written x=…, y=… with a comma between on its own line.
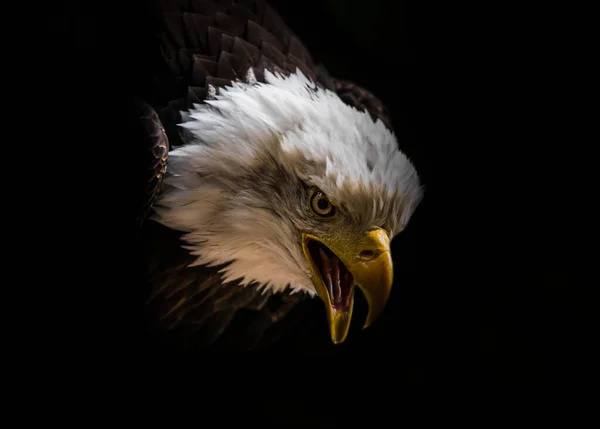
x=369, y=260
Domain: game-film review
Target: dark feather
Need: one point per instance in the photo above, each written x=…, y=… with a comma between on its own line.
x=362, y=99
x=193, y=303
x=212, y=43
x=150, y=152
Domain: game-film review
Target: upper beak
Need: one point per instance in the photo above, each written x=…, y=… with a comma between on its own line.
x=369, y=260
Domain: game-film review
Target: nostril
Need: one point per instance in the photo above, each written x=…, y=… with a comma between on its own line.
x=366, y=254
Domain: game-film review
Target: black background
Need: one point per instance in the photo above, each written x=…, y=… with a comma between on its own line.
x=495, y=296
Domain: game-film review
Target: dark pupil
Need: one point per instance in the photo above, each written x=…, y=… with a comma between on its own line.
x=323, y=204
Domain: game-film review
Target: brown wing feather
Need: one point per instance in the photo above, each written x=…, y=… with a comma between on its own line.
x=149, y=148
x=212, y=43
x=362, y=99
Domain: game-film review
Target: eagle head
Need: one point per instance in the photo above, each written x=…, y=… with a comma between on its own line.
x=290, y=188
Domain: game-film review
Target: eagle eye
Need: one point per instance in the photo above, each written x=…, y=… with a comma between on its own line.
x=320, y=204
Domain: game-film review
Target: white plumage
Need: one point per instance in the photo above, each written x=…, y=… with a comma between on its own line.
x=224, y=188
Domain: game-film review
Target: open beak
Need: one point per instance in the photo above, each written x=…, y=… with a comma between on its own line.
x=338, y=263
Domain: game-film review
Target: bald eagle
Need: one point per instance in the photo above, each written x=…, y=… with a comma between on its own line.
x=266, y=181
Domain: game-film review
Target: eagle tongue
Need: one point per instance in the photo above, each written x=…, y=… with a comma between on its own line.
x=333, y=275
x=326, y=272
x=347, y=287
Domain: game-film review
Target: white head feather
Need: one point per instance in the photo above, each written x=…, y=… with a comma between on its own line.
x=235, y=187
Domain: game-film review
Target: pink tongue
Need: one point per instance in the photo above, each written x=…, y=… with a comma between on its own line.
x=331, y=274
x=335, y=277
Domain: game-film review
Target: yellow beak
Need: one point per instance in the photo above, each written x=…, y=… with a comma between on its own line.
x=368, y=259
